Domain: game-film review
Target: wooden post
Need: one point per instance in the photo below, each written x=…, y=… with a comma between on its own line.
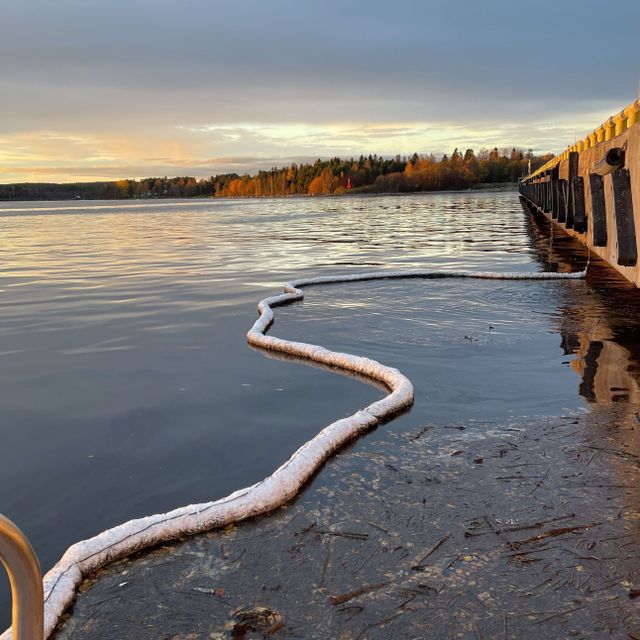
x=573, y=173
x=625, y=224
x=547, y=195
x=579, y=212
x=562, y=201
x=598, y=210
x=554, y=193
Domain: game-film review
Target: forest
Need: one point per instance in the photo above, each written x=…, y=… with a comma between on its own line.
x=366, y=174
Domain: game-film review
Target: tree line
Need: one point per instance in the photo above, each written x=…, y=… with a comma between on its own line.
x=366, y=174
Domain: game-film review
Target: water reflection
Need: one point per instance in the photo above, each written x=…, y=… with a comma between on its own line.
x=347, y=373
x=126, y=385
x=599, y=325
x=127, y=388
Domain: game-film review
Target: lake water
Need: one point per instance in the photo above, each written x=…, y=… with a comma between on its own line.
x=127, y=386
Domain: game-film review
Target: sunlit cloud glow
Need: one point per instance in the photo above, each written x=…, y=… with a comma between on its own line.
x=229, y=88
x=203, y=150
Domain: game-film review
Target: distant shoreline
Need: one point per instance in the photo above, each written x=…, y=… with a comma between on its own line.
x=336, y=176
x=488, y=186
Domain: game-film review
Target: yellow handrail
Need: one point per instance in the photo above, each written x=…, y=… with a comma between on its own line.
x=614, y=126
x=19, y=559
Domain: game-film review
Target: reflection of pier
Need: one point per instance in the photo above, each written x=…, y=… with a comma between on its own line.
x=598, y=326
x=604, y=367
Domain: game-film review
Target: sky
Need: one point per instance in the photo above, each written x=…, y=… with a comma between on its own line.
x=95, y=90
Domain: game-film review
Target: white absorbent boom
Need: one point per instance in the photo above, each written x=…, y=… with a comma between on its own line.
x=284, y=483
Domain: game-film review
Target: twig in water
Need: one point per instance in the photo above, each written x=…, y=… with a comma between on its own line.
x=350, y=595
x=537, y=525
x=511, y=444
x=420, y=433
x=539, y=482
x=367, y=558
x=557, y=532
x=341, y=534
x=560, y=613
x=309, y=528
x=420, y=564
x=327, y=561
x=500, y=532
x=378, y=527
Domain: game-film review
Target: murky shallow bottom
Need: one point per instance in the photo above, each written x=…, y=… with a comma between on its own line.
x=520, y=529
x=127, y=387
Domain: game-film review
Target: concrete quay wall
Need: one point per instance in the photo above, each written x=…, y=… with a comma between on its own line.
x=592, y=190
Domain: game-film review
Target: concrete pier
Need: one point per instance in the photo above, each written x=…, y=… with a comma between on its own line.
x=590, y=190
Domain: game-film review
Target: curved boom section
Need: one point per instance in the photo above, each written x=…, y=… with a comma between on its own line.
x=285, y=482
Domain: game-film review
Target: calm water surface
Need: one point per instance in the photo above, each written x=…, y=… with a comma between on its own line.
x=127, y=387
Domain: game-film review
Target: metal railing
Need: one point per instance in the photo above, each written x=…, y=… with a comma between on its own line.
x=23, y=568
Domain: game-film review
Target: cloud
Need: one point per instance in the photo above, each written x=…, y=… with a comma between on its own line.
x=127, y=80
x=248, y=147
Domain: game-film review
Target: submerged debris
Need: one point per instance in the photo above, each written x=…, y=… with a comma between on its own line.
x=258, y=622
x=541, y=541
